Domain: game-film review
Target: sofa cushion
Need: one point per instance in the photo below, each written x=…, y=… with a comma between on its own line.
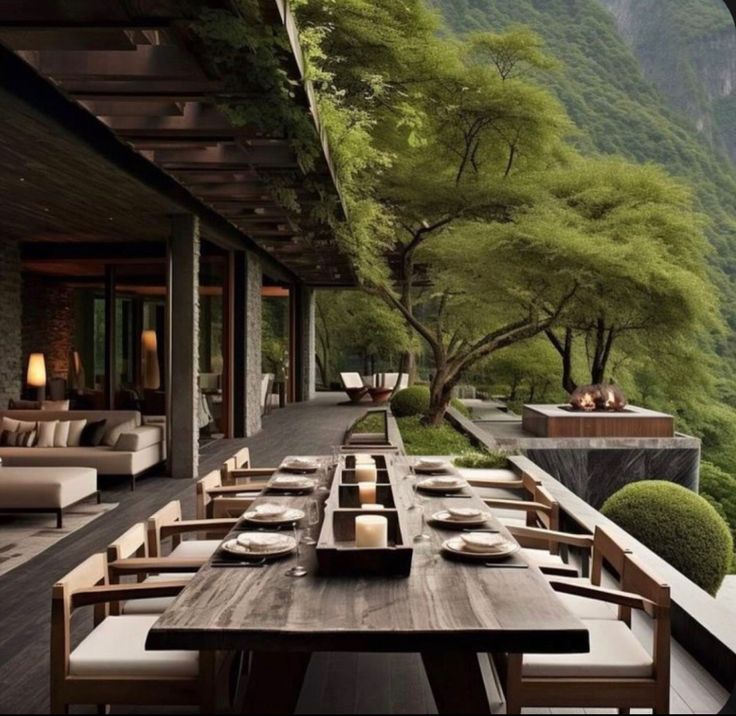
x=17, y=404
x=117, y=647
x=614, y=653
x=46, y=431
x=61, y=434
x=140, y=438
x=92, y=433
x=15, y=425
x=52, y=487
x=113, y=433
x=75, y=432
x=10, y=438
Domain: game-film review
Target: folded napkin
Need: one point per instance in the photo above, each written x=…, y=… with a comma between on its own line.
x=483, y=542
x=288, y=481
x=269, y=510
x=300, y=463
x=463, y=513
x=444, y=481
x=430, y=464
x=262, y=542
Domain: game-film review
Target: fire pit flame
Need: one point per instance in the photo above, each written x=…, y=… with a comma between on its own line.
x=598, y=397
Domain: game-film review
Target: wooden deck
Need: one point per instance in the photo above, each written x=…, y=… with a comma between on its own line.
x=335, y=683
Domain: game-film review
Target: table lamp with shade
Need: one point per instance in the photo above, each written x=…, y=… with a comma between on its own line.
x=36, y=374
x=150, y=373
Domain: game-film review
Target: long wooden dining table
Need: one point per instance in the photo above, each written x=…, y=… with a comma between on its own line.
x=452, y=612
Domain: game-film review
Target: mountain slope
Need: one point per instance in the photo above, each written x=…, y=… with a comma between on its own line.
x=617, y=109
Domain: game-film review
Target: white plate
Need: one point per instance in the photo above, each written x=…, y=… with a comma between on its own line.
x=292, y=515
x=431, y=486
x=291, y=484
x=232, y=546
x=444, y=517
x=455, y=545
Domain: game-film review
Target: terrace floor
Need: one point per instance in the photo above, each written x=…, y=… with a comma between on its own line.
x=336, y=683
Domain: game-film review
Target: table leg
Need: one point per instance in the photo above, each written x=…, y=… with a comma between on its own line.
x=457, y=683
x=274, y=682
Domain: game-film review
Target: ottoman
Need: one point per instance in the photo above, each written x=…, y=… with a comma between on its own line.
x=46, y=489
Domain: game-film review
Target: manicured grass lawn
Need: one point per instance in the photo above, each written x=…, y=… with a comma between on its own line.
x=369, y=423
x=419, y=439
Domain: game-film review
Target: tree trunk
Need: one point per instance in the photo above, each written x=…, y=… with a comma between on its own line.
x=440, y=392
x=408, y=366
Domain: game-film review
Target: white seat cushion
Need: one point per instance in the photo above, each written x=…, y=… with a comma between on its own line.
x=585, y=608
x=512, y=521
x=479, y=475
x=117, y=648
x=195, y=549
x=542, y=558
x=614, y=653
x=155, y=605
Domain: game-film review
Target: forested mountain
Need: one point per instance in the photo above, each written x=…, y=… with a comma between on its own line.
x=648, y=80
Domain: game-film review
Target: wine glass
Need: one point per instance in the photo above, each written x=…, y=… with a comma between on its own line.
x=298, y=570
x=414, y=488
x=312, y=520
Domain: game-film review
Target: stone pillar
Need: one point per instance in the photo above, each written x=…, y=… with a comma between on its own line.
x=183, y=347
x=12, y=363
x=305, y=349
x=247, y=284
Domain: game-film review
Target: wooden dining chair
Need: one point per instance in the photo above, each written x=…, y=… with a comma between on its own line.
x=540, y=510
x=111, y=664
x=617, y=672
x=603, y=552
x=128, y=560
x=168, y=526
x=216, y=498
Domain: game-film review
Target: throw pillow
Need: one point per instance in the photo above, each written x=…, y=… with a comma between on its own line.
x=19, y=404
x=17, y=425
x=7, y=438
x=55, y=405
x=26, y=439
x=92, y=433
x=112, y=435
x=46, y=430
x=75, y=432
x=61, y=434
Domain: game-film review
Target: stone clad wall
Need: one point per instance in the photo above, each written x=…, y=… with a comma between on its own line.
x=253, y=332
x=48, y=322
x=11, y=359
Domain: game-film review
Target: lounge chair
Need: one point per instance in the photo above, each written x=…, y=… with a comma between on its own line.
x=353, y=385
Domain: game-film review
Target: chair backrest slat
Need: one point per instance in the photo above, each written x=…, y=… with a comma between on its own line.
x=132, y=543
x=169, y=513
x=210, y=481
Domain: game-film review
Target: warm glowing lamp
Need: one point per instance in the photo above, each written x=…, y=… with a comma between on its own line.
x=36, y=375
x=149, y=356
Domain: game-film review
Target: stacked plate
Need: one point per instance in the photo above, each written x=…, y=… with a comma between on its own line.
x=287, y=483
x=301, y=465
x=440, y=483
x=260, y=545
x=432, y=466
x=480, y=545
x=460, y=517
x=273, y=514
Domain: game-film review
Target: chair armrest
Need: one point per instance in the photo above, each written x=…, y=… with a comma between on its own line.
x=122, y=592
x=242, y=473
x=488, y=482
x=559, y=570
x=612, y=596
x=157, y=565
x=568, y=538
x=521, y=505
x=184, y=526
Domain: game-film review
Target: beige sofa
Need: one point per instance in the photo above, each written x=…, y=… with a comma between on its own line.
x=135, y=451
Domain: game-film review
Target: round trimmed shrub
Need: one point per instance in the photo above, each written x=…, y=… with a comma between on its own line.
x=415, y=401
x=680, y=526
x=719, y=488
x=411, y=401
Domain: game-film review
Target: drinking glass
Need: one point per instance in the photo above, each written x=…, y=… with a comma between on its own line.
x=422, y=536
x=323, y=475
x=312, y=520
x=414, y=488
x=298, y=570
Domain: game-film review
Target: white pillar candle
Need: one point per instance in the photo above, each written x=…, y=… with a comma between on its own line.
x=363, y=457
x=367, y=492
x=366, y=473
x=371, y=531
x=372, y=507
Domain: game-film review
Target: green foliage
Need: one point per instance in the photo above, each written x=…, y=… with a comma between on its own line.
x=482, y=460
x=680, y=526
x=422, y=439
x=720, y=487
x=409, y=402
x=369, y=423
x=461, y=407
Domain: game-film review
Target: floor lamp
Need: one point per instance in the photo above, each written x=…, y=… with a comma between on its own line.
x=36, y=375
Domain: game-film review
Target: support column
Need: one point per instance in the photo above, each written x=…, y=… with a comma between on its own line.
x=247, y=284
x=305, y=368
x=182, y=390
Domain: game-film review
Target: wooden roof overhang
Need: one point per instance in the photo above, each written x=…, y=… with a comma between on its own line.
x=137, y=69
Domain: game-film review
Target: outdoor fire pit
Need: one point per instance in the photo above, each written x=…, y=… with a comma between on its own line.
x=596, y=411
